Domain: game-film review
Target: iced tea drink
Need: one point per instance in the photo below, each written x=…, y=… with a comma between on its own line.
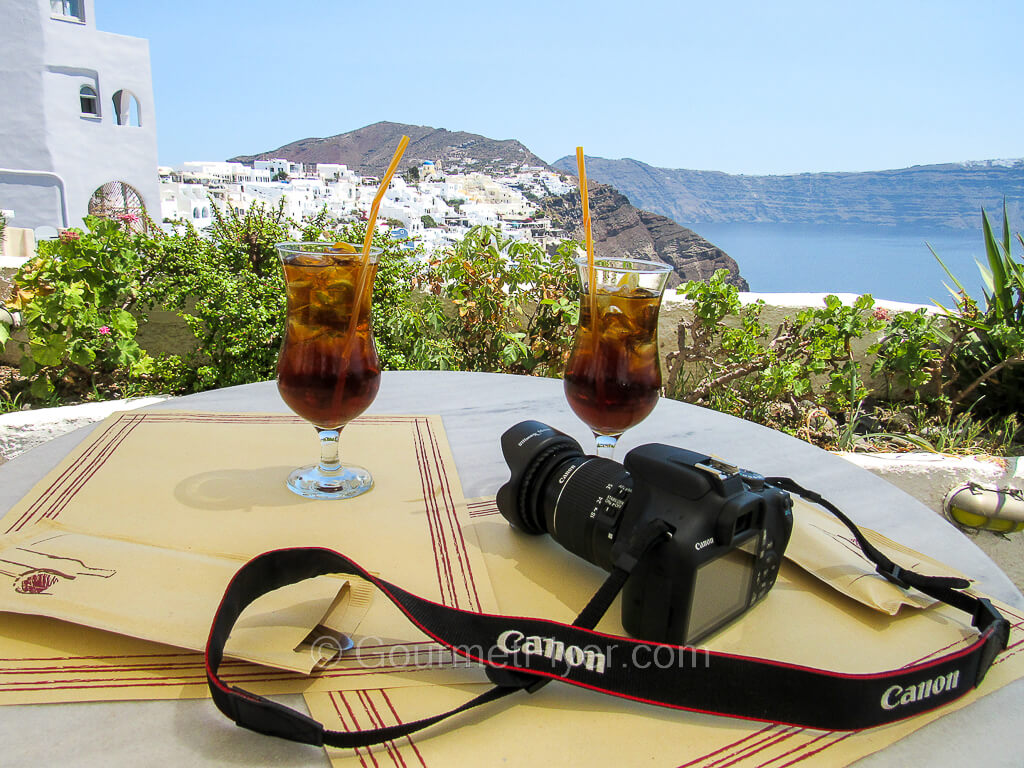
x=613, y=377
x=327, y=369
x=317, y=377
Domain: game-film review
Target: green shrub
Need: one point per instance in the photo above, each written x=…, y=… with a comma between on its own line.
x=228, y=289
x=796, y=374
x=514, y=306
x=76, y=299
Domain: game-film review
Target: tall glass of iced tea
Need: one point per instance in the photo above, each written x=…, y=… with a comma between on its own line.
x=613, y=377
x=327, y=370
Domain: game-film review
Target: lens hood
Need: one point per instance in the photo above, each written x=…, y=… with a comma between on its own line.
x=530, y=449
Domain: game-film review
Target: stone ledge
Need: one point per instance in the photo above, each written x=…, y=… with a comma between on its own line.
x=22, y=430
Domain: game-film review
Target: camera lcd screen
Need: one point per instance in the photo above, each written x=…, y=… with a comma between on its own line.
x=721, y=588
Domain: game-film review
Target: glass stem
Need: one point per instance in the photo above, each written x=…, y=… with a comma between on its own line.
x=606, y=445
x=330, y=464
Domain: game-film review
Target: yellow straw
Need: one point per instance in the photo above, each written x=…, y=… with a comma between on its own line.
x=368, y=240
x=584, y=198
x=346, y=345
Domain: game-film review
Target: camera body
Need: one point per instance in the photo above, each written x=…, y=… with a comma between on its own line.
x=729, y=526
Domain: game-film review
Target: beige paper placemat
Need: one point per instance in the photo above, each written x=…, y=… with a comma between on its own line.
x=561, y=725
x=166, y=596
x=212, y=485
x=46, y=661
x=802, y=621
x=565, y=726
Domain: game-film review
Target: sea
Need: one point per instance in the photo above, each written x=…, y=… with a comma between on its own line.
x=891, y=263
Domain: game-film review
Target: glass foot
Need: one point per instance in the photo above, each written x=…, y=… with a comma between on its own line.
x=344, y=483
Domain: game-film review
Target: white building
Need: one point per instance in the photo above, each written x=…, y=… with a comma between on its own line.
x=78, y=121
x=206, y=171
x=276, y=166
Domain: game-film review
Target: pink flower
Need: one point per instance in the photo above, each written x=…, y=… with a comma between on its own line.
x=128, y=218
x=881, y=313
x=68, y=235
x=104, y=330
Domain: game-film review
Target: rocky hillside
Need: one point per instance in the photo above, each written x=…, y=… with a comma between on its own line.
x=949, y=195
x=368, y=150
x=621, y=229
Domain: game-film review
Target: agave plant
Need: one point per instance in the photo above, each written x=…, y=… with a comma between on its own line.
x=984, y=356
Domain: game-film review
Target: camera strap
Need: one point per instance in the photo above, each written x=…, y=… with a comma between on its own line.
x=524, y=653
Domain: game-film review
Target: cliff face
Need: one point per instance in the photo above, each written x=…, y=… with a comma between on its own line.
x=368, y=150
x=949, y=195
x=620, y=229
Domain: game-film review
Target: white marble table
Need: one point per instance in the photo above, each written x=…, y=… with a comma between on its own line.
x=476, y=409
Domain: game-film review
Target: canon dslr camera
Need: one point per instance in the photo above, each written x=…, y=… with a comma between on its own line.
x=729, y=527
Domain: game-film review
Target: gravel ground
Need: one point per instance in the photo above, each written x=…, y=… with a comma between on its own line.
x=7, y=373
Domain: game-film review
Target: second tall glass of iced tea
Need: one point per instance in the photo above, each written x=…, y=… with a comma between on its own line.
x=328, y=371
x=613, y=377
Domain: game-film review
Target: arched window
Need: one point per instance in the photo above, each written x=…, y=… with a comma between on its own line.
x=206, y=213
x=195, y=213
x=119, y=200
x=89, y=101
x=126, y=109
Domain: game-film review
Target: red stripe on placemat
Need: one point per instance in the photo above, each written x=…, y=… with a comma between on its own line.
x=434, y=523
x=735, y=744
x=769, y=740
x=200, y=678
x=341, y=719
x=244, y=671
x=817, y=751
x=399, y=720
x=1017, y=623
x=355, y=723
x=78, y=482
x=796, y=749
x=460, y=540
x=97, y=445
x=378, y=722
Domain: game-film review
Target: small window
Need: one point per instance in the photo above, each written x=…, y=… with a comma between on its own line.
x=90, y=102
x=66, y=8
x=126, y=109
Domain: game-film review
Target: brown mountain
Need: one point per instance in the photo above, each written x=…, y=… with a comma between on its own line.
x=367, y=151
x=620, y=229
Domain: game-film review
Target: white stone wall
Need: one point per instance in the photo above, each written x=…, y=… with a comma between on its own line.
x=55, y=157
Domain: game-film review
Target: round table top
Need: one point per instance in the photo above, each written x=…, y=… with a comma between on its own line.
x=476, y=408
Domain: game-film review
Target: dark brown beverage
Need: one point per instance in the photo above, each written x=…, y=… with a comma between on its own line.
x=613, y=378
x=317, y=377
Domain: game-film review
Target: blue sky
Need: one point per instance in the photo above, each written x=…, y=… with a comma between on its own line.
x=741, y=87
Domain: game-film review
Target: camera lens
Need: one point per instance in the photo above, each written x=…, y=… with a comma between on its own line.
x=556, y=489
